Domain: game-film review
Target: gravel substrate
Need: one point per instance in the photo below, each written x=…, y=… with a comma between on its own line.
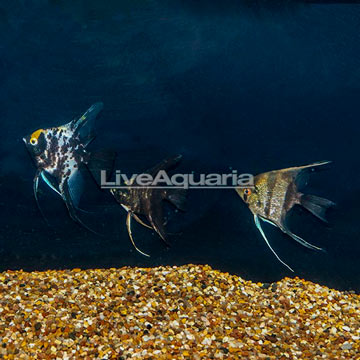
x=187, y=312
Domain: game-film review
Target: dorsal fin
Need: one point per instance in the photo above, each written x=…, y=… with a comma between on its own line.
x=85, y=124
x=167, y=164
x=300, y=173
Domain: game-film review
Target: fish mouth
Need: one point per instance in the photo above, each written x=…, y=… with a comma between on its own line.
x=24, y=140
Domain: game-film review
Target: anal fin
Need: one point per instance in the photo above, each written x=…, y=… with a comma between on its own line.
x=72, y=207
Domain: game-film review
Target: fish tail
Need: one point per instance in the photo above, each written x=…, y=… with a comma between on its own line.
x=316, y=205
x=177, y=197
x=101, y=160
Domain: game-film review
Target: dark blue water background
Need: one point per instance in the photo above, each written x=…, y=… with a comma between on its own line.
x=226, y=84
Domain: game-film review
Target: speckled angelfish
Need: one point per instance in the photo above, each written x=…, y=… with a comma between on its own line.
x=148, y=201
x=58, y=153
x=275, y=193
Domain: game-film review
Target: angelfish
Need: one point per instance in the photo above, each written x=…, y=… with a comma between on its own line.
x=58, y=153
x=275, y=193
x=147, y=202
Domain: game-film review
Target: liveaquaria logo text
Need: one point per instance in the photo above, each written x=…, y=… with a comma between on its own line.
x=184, y=181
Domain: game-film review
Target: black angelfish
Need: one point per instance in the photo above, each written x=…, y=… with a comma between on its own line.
x=148, y=201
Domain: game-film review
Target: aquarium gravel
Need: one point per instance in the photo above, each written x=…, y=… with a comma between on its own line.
x=185, y=312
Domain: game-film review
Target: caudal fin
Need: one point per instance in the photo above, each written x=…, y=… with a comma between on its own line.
x=101, y=161
x=177, y=197
x=316, y=205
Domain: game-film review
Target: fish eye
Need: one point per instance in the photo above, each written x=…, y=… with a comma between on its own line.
x=247, y=192
x=33, y=141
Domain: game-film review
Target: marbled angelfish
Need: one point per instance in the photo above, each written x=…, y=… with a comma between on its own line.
x=147, y=201
x=275, y=193
x=58, y=153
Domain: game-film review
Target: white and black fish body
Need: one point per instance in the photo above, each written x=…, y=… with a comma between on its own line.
x=59, y=152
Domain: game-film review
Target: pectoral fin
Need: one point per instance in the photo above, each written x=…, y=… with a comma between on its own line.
x=128, y=225
x=258, y=225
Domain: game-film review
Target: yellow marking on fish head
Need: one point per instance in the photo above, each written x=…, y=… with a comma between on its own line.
x=34, y=138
